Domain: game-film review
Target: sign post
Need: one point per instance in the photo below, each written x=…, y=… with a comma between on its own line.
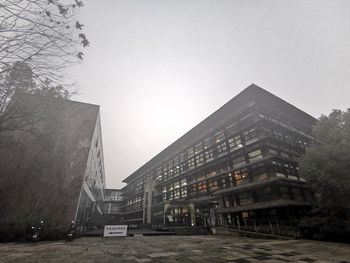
x=115, y=231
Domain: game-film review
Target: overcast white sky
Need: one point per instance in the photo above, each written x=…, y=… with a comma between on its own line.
x=157, y=68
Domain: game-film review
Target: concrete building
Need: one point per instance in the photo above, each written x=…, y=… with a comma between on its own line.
x=52, y=167
x=238, y=167
x=113, y=206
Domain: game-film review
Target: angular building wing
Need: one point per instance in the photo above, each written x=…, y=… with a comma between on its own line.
x=237, y=166
x=51, y=166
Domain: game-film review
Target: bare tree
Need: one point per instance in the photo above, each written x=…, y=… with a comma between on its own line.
x=42, y=33
x=38, y=40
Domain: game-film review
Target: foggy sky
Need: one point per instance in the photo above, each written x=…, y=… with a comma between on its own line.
x=158, y=68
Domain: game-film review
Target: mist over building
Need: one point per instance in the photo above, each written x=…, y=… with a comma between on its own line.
x=238, y=167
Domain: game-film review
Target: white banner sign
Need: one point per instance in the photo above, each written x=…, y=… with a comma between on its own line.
x=115, y=231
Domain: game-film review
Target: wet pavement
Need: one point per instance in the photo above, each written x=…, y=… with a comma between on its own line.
x=176, y=249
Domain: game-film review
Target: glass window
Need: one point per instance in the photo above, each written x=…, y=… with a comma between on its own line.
x=226, y=201
x=209, y=155
x=273, y=151
x=233, y=128
x=250, y=136
x=198, y=148
x=191, y=163
x=199, y=159
x=239, y=161
x=177, y=194
x=221, y=148
x=255, y=155
x=213, y=185
x=190, y=152
x=235, y=143
x=246, y=198
x=207, y=143
x=183, y=191
x=219, y=137
x=241, y=176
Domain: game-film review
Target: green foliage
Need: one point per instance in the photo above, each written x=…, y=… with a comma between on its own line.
x=326, y=167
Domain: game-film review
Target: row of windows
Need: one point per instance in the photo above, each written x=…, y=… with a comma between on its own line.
x=238, y=161
x=135, y=206
x=175, y=185
x=134, y=200
x=203, y=152
x=286, y=136
x=285, y=125
x=267, y=194
x=175, y=194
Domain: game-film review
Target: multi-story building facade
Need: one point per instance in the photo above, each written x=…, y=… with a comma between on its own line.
x=91, y=199
x=52, y=168
x=239, y=164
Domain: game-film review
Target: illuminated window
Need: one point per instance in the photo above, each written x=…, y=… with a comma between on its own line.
x=200, y=159
x=183, y=191
x=177, y=194
x=191, y=163
x=207, y=143
x=219, y=137
x=198, y=148
x=235, y=143
x=209, y=155
x=190, y=152
x=213, y=185
x=202, y=186
x=241, y=176
x=221, y=148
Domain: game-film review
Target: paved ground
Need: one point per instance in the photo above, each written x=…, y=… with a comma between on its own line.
x=176, y=249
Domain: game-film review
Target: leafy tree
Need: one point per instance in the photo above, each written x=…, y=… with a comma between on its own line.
x=42, y=33
x=326, y=166
x=15, y=85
